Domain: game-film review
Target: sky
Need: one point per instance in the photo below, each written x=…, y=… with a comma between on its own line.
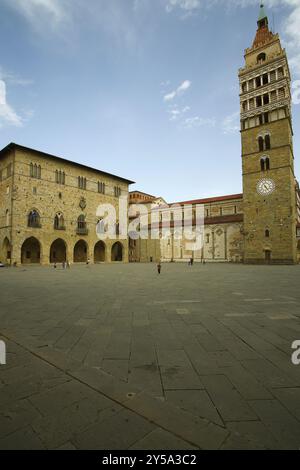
x=145, y=89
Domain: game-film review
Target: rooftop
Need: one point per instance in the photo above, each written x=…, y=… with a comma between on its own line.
x=212, y=199
x=13, y=146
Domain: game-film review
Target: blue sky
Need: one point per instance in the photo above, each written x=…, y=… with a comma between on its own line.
x=146, y=89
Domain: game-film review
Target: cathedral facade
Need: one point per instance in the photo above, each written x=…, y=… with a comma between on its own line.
x=48, y=205
x=262, y=225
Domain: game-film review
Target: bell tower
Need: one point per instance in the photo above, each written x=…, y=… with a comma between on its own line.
x=269, y=185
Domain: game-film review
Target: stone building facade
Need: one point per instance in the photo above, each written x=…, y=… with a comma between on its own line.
x=262, y=225
x=48, y=205
x=48, y=209
x=221, y=241
x=269, y=185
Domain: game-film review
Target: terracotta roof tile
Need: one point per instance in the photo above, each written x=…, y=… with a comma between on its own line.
x=212, y=199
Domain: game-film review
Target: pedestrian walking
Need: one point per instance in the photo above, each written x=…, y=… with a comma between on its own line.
x=159, y=268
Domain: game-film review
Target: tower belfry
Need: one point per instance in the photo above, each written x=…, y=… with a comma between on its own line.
x=267, y=150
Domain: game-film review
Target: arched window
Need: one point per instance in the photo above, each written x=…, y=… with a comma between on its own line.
x=35, y=171
x=267, y=233
x=261, y=144
x=267, y=142
x=59, y=222
x=60, y=177
x=261, y=58
x=101, y=187
x=81, y=182
x=34, y=219
x=265, y=163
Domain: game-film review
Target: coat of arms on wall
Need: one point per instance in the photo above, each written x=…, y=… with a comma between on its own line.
x=82, y=203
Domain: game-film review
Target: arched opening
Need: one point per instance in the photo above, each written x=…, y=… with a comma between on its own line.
x=261, y=144
x=34, y=219
x=117, y=252
x=267, y=233
x=99, y=252
x=265, y=163
x=31, y=251
x=6, y=250
x=268, y=142
x=261, y=58
x=58, y=251
x=59, y=222
x=80, y=252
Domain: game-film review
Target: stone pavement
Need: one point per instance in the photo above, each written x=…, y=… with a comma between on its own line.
x=116, y=357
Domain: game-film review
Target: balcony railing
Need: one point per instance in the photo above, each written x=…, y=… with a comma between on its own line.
x=34, y=225
x=60, y=227
x=82, y=231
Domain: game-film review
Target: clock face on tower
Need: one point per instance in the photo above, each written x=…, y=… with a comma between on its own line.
x=266, y=186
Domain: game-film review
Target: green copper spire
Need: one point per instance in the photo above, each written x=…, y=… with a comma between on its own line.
x=262, y=13
x=262, y=19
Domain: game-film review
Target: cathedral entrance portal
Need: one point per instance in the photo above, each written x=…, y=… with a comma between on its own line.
x=268, y=256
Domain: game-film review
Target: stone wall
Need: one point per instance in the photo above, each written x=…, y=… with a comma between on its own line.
x=49, y=198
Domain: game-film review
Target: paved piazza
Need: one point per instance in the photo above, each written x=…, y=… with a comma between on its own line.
x=116, y=357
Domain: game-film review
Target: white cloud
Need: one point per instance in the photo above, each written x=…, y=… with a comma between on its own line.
x=198, y=121
x=13, y=79
x=7, y=113
x=184, y=86
x=231, y=123
x=122, y=22
x=32, y=9
x=170, y=96
x=181, y=89
x=176, y=113
x=187, y=5
x=65, y=17
x=291, y=30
